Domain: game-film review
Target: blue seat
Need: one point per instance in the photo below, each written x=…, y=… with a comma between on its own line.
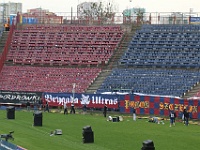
x=163, y=40
x=152, y=81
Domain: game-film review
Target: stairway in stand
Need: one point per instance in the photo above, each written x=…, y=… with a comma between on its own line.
x=3, y=40
x=192, y=92
x=114, y=61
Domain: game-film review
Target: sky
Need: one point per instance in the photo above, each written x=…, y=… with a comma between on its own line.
x=149, y=5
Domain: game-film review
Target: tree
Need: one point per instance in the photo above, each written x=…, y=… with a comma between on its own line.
x=134, y=14
x=140, y=15
x=97, y=11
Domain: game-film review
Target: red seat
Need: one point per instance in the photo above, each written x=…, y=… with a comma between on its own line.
x=76, y=40
x=46, y=79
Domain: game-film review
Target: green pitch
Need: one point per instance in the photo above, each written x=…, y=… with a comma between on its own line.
x=125, y=135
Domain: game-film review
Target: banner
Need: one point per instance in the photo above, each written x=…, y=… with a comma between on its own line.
x=144, y=104
x=156, y=105
x=5, y=145
x=19, y=97
x=90, y=100
x=194, y=20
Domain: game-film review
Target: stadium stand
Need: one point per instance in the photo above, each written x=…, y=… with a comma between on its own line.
x=173, y=46
x=170, y=82
x=161, y=60
x=46, y=79
x=51, y=58
x=64, y=45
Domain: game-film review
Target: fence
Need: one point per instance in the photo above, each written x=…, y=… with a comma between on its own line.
x=117, y=18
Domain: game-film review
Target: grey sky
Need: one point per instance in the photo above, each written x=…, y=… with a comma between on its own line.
x=149, y=5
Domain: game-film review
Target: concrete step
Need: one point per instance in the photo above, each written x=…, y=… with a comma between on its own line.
x=192, y=91
x=98, y=81
x=113, y=62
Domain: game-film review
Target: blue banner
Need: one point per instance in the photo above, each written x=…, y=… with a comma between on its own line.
x=195, y=20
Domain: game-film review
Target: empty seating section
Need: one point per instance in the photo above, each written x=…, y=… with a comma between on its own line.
x=172, y=82
x=164, y=46
x=64, y=45
x=46, y=79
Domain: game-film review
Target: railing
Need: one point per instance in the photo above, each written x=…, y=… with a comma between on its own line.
x=5, y=50
x=118, y=18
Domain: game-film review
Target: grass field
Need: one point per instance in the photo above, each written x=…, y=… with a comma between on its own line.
x=125, y=135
